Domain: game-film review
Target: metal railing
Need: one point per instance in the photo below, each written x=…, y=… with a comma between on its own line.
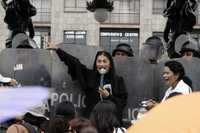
x=42, y=17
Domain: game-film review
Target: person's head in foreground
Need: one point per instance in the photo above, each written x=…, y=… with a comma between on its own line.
x=64, y=113
x=80, y=124
x=104, y=117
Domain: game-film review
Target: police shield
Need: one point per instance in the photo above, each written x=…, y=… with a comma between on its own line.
x=44, y=68
x=192, y=70
x=28, y=66
x=138, y=74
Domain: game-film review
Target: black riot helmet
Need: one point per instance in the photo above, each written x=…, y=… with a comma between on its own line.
x=153, y=48
x=123, y=47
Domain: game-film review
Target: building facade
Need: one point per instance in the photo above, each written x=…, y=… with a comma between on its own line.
x=131, y=21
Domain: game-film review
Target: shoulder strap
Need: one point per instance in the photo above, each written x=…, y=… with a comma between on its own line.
x=31, y=128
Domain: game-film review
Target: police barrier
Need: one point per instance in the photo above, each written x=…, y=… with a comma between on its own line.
x=28, y=66
x=42, y=67
x=192, y=71
x=138, y=74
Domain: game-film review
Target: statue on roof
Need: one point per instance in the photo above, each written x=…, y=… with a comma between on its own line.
x=181, y=19
x=18, y=15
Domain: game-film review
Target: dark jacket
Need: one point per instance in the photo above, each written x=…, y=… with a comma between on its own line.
x=90, y=81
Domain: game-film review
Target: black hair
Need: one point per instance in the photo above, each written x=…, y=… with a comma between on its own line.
x=188, y=81
x=106, y=54
x=64, y=112
x=104, y=116
x=58, y=125
x=177, y=68
x=111, y=73
x=77, y=124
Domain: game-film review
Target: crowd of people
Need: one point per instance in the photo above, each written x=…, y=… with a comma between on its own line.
x=106, y=94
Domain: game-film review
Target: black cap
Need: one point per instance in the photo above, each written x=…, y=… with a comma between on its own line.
x=123, y=47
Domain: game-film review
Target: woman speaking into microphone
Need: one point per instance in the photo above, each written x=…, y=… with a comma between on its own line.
x=98, y=83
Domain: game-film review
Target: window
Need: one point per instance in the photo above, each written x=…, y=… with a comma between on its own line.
x=75, y=5
x=75, y=37
x=42, y=36
x=198, y=14
x=43, y=10
x=125, y=11
x=159, y=6
x=110, y=38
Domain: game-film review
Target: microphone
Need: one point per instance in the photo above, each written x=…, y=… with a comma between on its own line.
x=102, y=71
x=101, y=80
x=101, y=85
